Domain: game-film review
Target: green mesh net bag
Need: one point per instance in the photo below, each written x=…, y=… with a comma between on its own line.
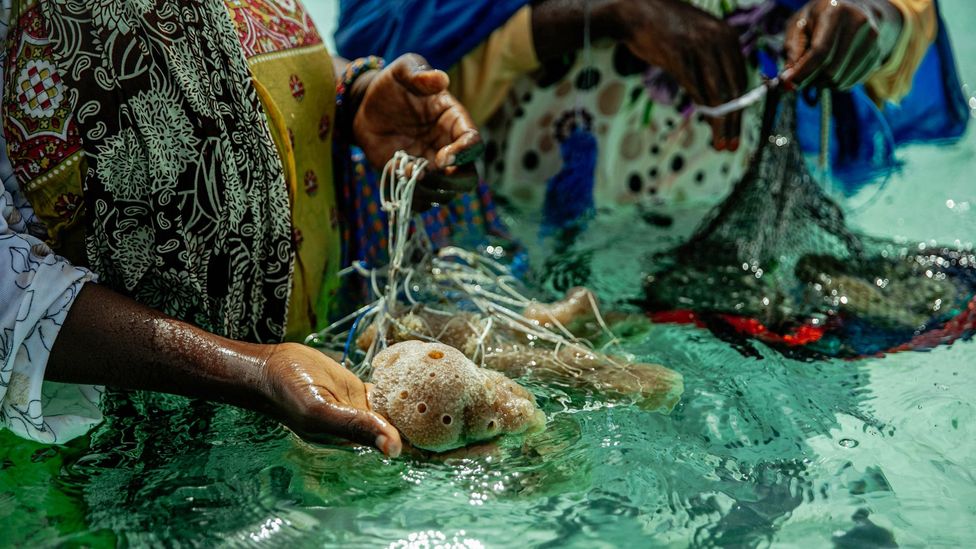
x=776, y=261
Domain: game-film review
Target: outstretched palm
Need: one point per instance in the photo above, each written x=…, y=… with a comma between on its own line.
x=319, y=399
x=407, y=107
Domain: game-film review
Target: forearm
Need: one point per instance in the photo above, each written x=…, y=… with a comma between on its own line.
x=108, y=339
x=558, y=25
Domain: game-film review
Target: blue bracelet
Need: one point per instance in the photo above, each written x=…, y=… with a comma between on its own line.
x=354, y=70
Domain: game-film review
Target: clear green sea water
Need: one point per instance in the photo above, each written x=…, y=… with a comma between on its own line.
x=763, y=451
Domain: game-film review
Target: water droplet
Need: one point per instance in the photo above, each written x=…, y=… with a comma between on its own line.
x=849, y=443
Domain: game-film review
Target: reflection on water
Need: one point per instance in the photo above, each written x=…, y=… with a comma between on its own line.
x=763, y=449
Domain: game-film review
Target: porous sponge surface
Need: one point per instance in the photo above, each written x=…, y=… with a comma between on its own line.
x=440, y=400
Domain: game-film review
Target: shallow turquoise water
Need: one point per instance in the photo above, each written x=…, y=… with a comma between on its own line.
x=762, y=451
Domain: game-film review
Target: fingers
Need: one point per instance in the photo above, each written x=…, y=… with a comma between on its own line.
x=416, y=75
x=831, y=45
x=468, y=140
x=819, y=54
x=454, y=139
x=692, y=79
x=362, y=426
x=797, y=40
x=734, y=69
x=441, y=187
x=446, y=135
x=724, y=80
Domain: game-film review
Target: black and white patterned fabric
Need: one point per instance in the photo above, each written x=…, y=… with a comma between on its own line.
x=37, y=288
x=186, y=204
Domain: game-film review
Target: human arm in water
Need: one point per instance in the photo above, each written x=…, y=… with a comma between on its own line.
x=108, y=339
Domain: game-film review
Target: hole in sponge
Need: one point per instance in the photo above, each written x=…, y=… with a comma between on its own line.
x=436, y=355
x=447, y=419
x=432, y=374
x=422, y=408
x=404, y=394
x=491, y=425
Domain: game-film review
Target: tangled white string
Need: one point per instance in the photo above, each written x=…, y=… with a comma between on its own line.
x=450, y=283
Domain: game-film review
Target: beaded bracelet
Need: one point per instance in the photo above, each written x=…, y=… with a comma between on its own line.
x=354, y=70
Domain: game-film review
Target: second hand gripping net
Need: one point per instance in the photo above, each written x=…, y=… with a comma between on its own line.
x=777, y=260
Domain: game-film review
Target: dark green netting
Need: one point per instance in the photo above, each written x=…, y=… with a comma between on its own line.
x=777, y=259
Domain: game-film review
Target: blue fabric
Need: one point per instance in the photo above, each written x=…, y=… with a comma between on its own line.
x=863, y=137
x=443, y=31
x=792, y=4
x=569, y=194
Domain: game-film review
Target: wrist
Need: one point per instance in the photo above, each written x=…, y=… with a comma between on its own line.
x=357, y=93
x=351, y=90
x=558, y=25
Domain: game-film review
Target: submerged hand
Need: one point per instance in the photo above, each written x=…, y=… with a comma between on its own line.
x=318, y=399
x=700, y=51
x=407, y=107
x=839, y=43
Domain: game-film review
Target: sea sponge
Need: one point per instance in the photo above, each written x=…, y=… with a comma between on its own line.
x=578, y=303
x=440, y=400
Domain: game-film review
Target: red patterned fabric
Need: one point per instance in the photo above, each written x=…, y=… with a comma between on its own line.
x=38, y=124
x=268, y=26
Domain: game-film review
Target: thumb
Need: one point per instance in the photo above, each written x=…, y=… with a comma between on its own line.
x=324, y=420
x=416, y=74
x=367, y=428
x=797, y=39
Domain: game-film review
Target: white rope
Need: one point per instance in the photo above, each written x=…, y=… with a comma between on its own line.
x=749, y=99
x=396, y=198
x=453, y=276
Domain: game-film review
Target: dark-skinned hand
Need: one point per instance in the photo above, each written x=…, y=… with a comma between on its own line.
x=700, y=51
x=319, y=399
x=406, y=106
x=837, y=44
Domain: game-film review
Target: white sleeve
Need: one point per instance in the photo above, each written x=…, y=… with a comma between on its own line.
x=37, y=288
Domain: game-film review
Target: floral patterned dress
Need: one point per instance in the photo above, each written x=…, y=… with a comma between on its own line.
x=652, y=152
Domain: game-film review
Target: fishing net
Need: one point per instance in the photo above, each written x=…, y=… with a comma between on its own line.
x=777, y=261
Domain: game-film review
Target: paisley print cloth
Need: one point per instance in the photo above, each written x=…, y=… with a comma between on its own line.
x=187, y=209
